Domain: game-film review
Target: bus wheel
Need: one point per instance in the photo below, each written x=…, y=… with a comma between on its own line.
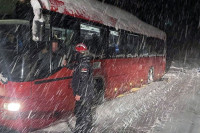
x=150, y=75
x=7, y=130
x=99, y=91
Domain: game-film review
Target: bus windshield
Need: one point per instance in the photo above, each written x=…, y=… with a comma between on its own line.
x=14, y=42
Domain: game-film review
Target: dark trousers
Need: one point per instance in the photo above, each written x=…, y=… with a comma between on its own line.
x=83, y=117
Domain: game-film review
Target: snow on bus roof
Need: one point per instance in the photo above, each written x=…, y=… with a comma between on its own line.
x=103, y=13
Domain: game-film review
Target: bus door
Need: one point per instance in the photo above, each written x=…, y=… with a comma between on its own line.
x=52, y=83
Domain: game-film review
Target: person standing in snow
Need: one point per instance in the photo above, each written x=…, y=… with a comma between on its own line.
x=83, y=89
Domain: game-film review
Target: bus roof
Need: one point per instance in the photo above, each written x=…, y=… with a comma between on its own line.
x=109, y=15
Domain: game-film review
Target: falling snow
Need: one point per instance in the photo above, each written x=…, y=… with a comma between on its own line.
x=169, y=105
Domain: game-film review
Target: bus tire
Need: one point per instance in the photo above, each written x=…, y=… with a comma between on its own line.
x=150, y=75
x=99, y=91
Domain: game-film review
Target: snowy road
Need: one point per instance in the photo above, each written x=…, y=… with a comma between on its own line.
x=168, y=106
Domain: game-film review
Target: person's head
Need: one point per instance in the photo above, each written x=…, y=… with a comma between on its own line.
x=54, y=45
x=10, y=37
x=81, y=48
x=81, y=51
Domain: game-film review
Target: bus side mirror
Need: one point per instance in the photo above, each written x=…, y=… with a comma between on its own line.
x=37, y=30
x=38, y=21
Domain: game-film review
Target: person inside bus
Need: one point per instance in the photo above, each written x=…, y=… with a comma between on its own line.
x=93, y=44
x=83, y=89
x=58, y=56
x=8, y=40
x=42, y=67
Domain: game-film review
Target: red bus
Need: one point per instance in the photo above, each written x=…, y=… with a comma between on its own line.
x=33, y=93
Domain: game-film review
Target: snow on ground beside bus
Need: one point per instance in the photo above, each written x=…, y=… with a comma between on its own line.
x=106, y=14
x=170, y=105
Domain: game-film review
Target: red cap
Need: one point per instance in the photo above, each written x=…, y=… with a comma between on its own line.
x=81, y=47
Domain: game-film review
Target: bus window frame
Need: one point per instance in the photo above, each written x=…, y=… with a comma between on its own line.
x=142, y=38
x=163, y=46
x=137, y=49
x=154, y=41
x=104, y=44
x=157, y=42
x=51, y=26
x=75, y=28
x=114, y=54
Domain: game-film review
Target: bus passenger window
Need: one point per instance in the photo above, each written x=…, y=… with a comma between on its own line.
x=90, y=36
x=62, y=55
x=132, y=45
x=146, y=49
x=121, y=45
x=143, y=47
x=40, y=60
x=113, y=48
x=60, y=46
x=58, y=56
x=151, y=42
x=67, y=44
x=69, y=37
x=160, y=47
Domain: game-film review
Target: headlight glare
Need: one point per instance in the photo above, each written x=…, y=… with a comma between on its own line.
x=12, y=106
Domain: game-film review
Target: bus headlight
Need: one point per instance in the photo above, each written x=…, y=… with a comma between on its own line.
x=12, y=106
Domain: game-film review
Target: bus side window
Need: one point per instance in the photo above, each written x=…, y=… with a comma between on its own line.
x=57, y=50
x=40, y=60
x=121, y=45
x=159, y=47
x=62, y=55
x=66, y=29
x=113, y=47
x=151, y=42
x=90, y=36
x=104, y=42
x=132, y=45
x=142, y=51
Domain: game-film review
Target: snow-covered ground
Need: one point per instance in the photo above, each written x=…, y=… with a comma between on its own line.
x=168, y=106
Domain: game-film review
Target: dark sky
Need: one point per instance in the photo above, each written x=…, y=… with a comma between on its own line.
x=162, y=12
x=178, y=18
